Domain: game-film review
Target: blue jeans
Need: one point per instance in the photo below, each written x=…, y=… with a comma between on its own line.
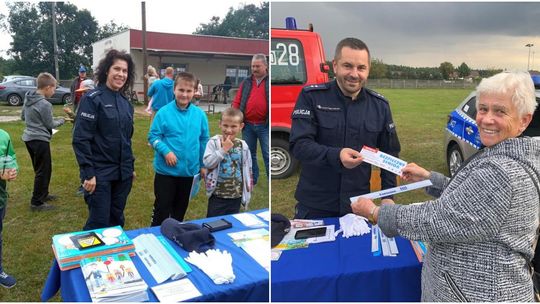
x=250, y=134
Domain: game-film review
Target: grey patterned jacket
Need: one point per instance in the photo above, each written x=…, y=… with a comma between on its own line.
x=480, y=228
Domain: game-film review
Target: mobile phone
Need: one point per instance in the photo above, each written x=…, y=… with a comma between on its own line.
x=217, y=225
x=309, y=233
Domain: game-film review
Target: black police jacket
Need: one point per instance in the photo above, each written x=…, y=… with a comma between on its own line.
x=323, y=122
x=102, y=135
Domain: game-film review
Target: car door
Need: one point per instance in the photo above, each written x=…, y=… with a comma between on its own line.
x=470, y=129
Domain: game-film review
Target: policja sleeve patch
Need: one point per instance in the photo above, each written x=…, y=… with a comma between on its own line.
x=301, y=113
x=88, y=116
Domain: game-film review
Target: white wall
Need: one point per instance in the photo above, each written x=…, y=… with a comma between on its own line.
x=119, y=41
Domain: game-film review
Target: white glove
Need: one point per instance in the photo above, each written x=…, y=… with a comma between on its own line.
x=214, y=263
x=353, y=225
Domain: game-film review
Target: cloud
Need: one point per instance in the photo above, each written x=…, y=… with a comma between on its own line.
x=423, y=33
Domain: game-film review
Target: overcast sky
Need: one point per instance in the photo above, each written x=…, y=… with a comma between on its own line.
x=172, y=16
x=420, y=34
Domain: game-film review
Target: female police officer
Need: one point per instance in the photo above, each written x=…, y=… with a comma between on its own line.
x=102, y=142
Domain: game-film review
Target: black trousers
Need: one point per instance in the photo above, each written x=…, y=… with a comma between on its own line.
x=172, y=197
x=106, y=205
x=40, y=153
x=222, y=206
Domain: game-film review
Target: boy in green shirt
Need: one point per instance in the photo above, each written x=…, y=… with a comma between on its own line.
x=8, y=172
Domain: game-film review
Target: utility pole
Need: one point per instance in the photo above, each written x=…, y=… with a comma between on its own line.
x=55, y=44
x=529, y=45
x=145, y=55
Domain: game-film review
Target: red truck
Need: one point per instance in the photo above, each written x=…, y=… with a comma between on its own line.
x=296, y=59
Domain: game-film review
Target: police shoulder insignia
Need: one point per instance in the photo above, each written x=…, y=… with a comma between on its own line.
x=316, y=87
x=94, y=93
x=375, y=94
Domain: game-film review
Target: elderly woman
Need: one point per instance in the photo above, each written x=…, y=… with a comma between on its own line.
x=481, y=228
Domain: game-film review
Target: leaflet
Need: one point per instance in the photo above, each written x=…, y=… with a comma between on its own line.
x=176, y=291
x=159, y=262
x=395, y=190
x=382, y=160
x=249, y=220
x=375, y=249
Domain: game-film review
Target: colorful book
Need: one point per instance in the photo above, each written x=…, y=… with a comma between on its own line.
x=70, y=248
x=419, y=249
x=113, y=278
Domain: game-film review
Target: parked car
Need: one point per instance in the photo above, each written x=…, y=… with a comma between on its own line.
x=13, y=91
x=462, y=139
x=13, y=77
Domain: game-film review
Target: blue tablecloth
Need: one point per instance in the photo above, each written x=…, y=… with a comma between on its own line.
x=346, y=270
x=250, y=285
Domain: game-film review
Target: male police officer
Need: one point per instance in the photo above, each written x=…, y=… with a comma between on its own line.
x=331, y=123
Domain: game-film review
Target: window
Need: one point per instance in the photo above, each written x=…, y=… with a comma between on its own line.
x=287, y=62
x=178, y=68
x=27, y=83
x=234, y=75
x=470, y=108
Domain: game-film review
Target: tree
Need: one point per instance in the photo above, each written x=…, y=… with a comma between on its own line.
x=377, y=69
x=6, y=67
x=110, y=29
x=446, y=69
x=30, y=26
x=248, y=21
x=463, y=70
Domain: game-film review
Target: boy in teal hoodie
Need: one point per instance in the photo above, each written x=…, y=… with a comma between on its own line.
x=8, y=172
x=178, y=134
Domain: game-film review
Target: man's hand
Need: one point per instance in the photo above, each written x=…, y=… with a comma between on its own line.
x=350, y=158
x=203, y=172
x=90, y=185
x=226, y=143
x=9, y=174
x=414, y=173
x=170, y=159
x=134, y=175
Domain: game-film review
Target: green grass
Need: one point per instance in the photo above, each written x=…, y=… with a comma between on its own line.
x=27, y=252
x=420, y=116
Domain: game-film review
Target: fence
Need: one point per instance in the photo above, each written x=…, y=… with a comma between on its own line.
x=420, y=84
x=208, y=89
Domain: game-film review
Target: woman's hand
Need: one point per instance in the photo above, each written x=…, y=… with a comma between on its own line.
x=414, y=173
x=363, y=207
x=90, y=185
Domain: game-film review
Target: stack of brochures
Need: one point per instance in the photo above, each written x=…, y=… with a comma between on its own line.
x=113, y=278
x=70, y=248
x=255, y=243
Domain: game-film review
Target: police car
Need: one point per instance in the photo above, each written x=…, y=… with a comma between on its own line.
x=462, y=139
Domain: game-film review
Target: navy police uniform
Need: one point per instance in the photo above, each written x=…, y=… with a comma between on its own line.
x=102, y=145
x=324, y=121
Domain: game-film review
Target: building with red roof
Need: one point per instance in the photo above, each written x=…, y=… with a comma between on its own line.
x=213, y=59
